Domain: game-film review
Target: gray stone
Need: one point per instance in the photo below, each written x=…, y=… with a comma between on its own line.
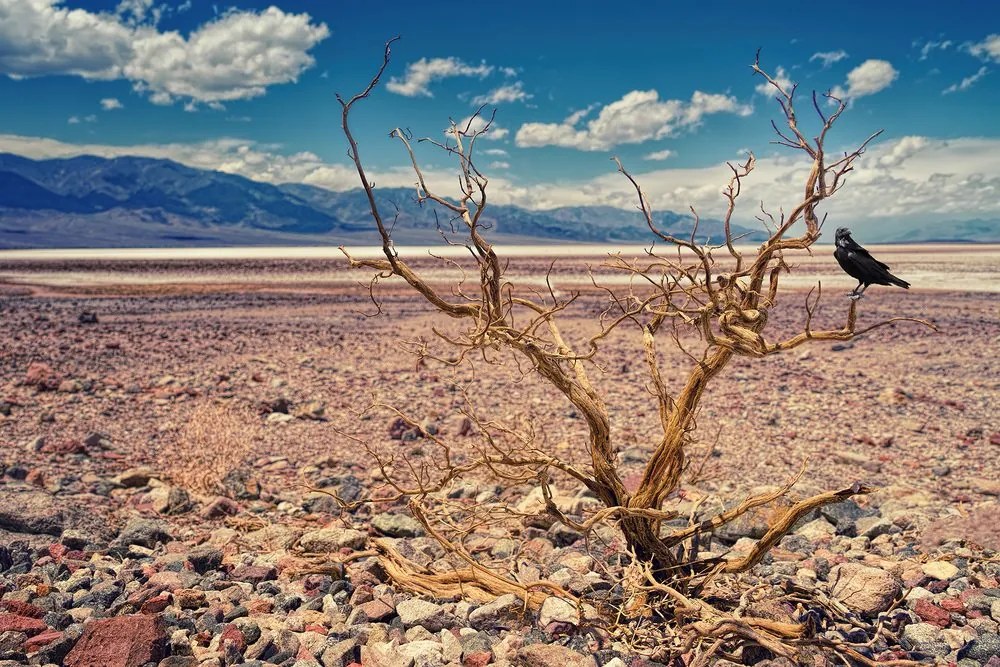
x=551, y=655
x=919, y=633
x=145, y=532
x=505, y=611
x=205, y=558
x=339, y=654
x=422, y=653
x=867, y=590
x=397, y=525
x=873, y=526
x=558, y=610
x=26, y=512
x=329, y=540
x=817, y=529
x=982, y=649
x=170, y=500
x=426, y=614
x=936, y=649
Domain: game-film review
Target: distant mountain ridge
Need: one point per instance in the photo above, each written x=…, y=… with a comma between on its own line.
x=91, y=201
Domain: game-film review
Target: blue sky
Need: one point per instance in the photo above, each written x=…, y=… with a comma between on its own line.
x=249, y=88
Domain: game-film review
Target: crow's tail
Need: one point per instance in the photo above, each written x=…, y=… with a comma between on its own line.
x=899, y=281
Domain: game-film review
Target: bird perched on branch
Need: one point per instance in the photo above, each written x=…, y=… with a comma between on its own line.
x=860, y=265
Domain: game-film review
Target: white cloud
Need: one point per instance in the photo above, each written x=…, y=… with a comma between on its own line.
x=40, y=38
x=111, y=103
x=76, y=120
x=828, y=57
x=135, y=11
x=637, y=117
x=868, y=78
x=497, y=152
x=236, y=56
x=918, y=179
x=512, y=93
x=499, y=164
x=421, y=74
x=927, y=47
x=658, y=155
x=967, y=82
x=988, y=49
x=901, y=150
x=781, y=78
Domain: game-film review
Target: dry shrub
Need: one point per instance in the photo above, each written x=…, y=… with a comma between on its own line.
x=216, y=439
x=709, y=302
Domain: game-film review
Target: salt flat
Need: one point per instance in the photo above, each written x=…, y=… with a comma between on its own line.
x=948, y=267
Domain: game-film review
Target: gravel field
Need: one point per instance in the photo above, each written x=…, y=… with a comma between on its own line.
x=194, y=402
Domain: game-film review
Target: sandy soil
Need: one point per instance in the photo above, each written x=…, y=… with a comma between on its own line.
x=903, y=405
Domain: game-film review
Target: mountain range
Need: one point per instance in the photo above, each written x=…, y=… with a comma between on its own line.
x=91, y=201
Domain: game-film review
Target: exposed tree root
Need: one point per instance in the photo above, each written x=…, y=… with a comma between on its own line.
x=473, y=583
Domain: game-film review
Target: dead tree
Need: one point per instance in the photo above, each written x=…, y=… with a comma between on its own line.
x=714, y=292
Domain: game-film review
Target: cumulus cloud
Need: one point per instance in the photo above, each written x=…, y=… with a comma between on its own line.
x=497, y=152
x=637, y=117
x=967, y=82
x=828, y=58
x=868, y=78
x=900, y=151
x=111, y=103
x=499, y=164
x=236, y=56
x=421, y=74
x=658, y=155
x=988, y=49
x=512, y=93
x=76, y=120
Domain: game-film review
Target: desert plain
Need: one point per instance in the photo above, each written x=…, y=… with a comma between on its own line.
x=207, y=395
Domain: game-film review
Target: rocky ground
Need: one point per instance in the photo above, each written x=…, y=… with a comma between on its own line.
x=158, y=444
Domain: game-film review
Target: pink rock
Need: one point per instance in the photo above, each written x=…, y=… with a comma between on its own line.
x=26, y=624
x=931, y=613
x=477, y=659
x=42, y=376
x=952, y=604
x=254, y=574
x=376, y=610
x=21, y=608
x=156, y=605
x=123, y=641
x=42, y=639
x=232, y=636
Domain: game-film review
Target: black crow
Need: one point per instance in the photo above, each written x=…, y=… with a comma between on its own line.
x=860, y=265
